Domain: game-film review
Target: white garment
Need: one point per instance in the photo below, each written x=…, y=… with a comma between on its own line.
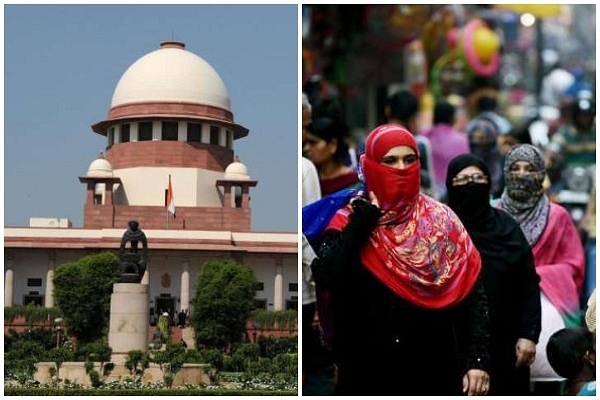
x=551, y=322
x=309, y=294
x=426, y=156
x=311, y=188
x=554, y=85
x=311, y=192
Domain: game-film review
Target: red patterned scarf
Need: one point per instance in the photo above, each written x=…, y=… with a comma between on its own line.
x=419, y=249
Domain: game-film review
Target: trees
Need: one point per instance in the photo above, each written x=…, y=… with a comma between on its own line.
x=223, y=302
x=58, y=356
x=100, y=352
x=137, y=362
x=170, y=361
x=22, y=351
x=82, y=291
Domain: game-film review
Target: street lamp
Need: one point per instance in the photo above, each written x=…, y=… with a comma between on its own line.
x=58, y=327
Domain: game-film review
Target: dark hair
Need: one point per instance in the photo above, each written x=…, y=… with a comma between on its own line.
x=443, y=112
x=566, y=348
x=403, y=105
x=329, y=129
x=486, y=103
x=328, y=106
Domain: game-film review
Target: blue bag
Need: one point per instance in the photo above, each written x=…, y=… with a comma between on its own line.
x=316, y=215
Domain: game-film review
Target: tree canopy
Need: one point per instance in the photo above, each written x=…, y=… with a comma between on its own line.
x=223, y=303
x=82, y=291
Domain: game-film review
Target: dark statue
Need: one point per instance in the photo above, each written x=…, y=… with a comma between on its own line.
x=133, y=264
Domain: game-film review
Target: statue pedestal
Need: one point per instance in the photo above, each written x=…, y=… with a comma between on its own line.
x=128, y=327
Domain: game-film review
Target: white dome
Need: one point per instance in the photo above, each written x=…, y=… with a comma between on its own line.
x=171, y=74
x=237, y=171
x=100, y=167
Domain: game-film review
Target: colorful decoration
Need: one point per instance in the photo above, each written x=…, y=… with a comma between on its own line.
x=538, y=10
x=480, y=47
x=452, y=38
x=165, y=281
x=472, y=50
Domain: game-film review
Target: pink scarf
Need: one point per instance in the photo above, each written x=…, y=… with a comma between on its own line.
x=560, y=262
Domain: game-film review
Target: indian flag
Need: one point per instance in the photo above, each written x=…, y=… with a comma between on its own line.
x=170, y=199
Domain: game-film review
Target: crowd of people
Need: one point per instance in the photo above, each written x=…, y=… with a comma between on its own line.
x=444, y=252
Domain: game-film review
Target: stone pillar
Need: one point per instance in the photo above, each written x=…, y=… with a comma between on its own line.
x=128, y=329
x=89, y=194
x=245, y=196
x=9, y=282
x=278, y=289
x=108, y=193
x=185, y=286
x=49, y=294
x=146, y=278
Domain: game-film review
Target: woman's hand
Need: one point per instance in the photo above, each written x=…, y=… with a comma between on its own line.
x=476, y=382
x=525, y=350
x=373, y=199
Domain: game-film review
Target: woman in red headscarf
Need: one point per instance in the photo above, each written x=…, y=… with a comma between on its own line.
x=409, y=312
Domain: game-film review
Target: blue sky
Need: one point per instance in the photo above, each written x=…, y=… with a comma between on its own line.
x=62, y=64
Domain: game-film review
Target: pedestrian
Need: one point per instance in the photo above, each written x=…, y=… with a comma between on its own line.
x=572, y=353
x=557, y=250
x=483, y=136
x=325, y=145
x=587, y=229
x=508, y=273
x=446, y=143
x=402, y=108
x=317, y=364
x=590, y=312
x=409, y=312
x=486, y=108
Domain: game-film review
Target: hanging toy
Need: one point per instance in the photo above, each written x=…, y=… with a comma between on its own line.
x=447, y=61
x=481, y=48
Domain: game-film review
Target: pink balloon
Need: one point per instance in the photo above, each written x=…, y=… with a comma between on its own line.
x=471, y=55
x=452, y=38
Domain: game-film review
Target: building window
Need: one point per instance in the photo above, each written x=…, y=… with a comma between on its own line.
x=237, y=196
x=145, y=131
x=291, y=304
x=111, y=136
x=214, y=135
x=34, y=282
x=260, y=286
x=169, y=130
x=292, y=287
x=125, y=133
x=33, y=298
x=229, y=139
x=194, y=133
x=260, y=304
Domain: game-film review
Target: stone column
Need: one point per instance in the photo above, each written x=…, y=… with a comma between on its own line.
x=9, y=277
x=278, y=288
x=49, y=297
x=185, y=286
x=146, y=278
x=128, y=329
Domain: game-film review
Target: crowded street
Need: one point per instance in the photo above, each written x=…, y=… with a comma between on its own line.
x=452, y=234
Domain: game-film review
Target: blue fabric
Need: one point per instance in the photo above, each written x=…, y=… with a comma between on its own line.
x=316, y=216
x=590, y=268
x=589, y=389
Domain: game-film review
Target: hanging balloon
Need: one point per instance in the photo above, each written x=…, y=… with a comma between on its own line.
x=480, y=47
x=485, y=44
x=452, y=38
